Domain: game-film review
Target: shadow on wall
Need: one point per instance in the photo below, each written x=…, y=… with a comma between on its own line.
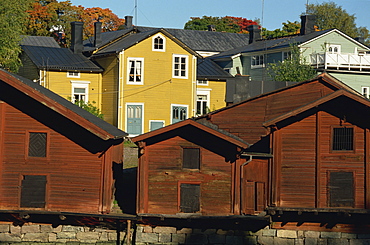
x=125, y=185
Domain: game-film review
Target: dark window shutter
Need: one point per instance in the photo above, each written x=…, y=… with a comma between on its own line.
x=191, y=158
x=343, y=139
x=37, y=145
x=33, y=191
x=341, y=189
x=189, y=198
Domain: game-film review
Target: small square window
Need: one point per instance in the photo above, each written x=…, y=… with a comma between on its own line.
x=180, y=66
x=37, y=144
x=342, y=139
x=191, y=158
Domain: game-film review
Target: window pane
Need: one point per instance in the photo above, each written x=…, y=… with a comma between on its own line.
x=79, y=90
x=37, y=145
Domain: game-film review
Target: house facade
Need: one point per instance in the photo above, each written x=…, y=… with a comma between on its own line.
x=151, y=78
x=298, y=153
x=52, y=151
x=330, y=51
x=66, y=72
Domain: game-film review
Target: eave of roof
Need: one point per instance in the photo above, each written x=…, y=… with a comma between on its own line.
x=316, y=103
x=217, y=133
x=59, y=59
x=53, y=101
x=323, y=77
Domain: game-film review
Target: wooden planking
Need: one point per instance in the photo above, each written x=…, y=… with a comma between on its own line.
x=165, y=173
x=73, y=172
x=245, y=119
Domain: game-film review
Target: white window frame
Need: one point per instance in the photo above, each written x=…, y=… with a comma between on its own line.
x=365, y=91
x=74, y=74
x=164, y=43
x=180, y=56
x=202, y=82
x=135, y=59
x=256, y=63
x=187, y=110
x=206, y=93
x=150, y=123
x=80, y=84
x=334, y=48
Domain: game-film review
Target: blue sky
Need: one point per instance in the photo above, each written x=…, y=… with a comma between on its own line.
x=175, y=13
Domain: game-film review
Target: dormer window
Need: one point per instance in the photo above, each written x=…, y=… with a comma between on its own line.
x=159, y=43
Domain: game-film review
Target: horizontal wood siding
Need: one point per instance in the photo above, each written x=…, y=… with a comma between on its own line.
x=347, y=161
x=165, y=173
x=298, y=146
x=73, y=173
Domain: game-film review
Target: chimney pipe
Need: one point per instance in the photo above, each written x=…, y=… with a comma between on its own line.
x=211, y=28
x=97, y=34
x=128, y=22
x=76, y=44
x=307, y=24
x=254, y=33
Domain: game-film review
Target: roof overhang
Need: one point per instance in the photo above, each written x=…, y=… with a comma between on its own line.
x=195, y=124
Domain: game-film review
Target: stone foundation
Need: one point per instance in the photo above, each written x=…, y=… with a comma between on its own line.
x=145, y=235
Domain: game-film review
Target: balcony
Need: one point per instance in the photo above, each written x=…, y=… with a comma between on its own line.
x=350, y=62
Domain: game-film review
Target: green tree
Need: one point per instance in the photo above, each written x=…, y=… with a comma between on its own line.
x=222, y=24
x=12, y=25
x=289, y=28
x=293, y=69
x=90, y=107
x=330, y=15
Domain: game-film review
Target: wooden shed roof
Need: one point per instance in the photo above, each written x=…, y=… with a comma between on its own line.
x=72, y=112
x=246, y=119
x=317, y=103
x=203, y=125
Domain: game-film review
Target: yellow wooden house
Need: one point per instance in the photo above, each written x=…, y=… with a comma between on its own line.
x=149, y=81
x=68, y=73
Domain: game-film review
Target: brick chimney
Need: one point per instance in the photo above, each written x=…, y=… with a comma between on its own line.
x=307, y=24
x=128, y=22
x=76, y=42
x=254, y=33
x=97, y=34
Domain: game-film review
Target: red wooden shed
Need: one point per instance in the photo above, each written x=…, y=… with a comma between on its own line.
x=54, y=156
x=305, y=150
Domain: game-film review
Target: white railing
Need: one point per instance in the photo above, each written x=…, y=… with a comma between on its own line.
x=340, y=61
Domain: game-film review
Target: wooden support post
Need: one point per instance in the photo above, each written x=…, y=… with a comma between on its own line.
x=118, y=230
x=128, y=232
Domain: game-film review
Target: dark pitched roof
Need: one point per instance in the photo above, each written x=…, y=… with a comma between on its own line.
x=39, y=41
x=195, y=40
x=212, y=41
x=208, y=69
x=269, y=44
x=56, y=58
x=127, y=41
x=107, y=37
x=62, y=106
